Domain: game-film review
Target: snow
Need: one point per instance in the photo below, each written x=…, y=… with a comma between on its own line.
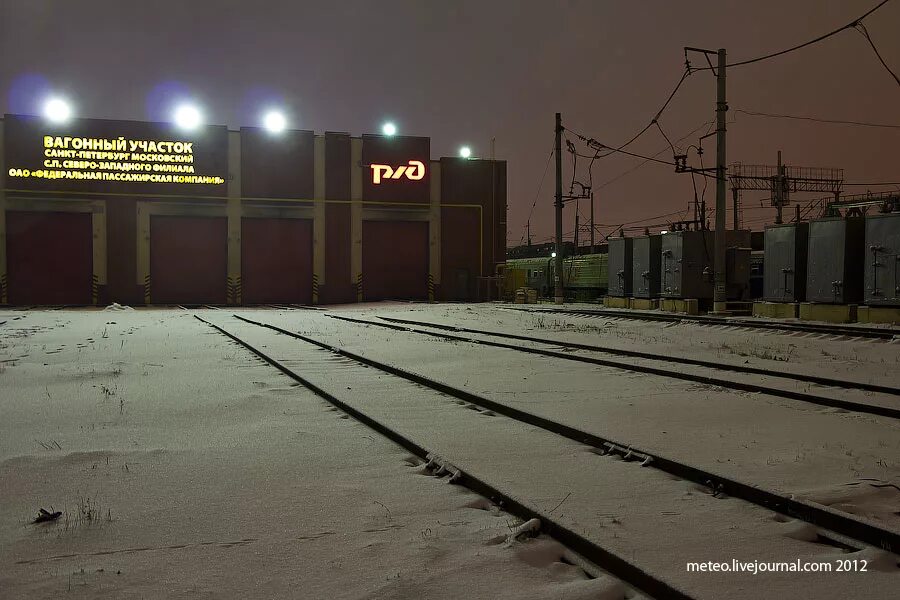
x=791, y=446
x=209, y=474
x=205, y=472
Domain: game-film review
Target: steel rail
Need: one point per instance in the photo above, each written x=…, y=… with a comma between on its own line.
x=838, y=383
x=849, y=405
x=603, y=558
x=838, y=330
x=821, y=516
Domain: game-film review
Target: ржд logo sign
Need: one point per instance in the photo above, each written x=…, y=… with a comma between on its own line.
x=415, y=170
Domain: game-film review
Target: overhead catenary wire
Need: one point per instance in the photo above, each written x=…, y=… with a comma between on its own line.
x=815, y=119
x=684, y=75
x=650, y=159
x=608, y=150
x=850, y=25
x=635, y=168
x=862, y=29
x=872, y=183
x=540, y=186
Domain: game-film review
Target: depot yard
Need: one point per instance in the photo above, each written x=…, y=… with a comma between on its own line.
x=183, y=463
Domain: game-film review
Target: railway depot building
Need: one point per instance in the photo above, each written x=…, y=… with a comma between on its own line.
x=101, y=211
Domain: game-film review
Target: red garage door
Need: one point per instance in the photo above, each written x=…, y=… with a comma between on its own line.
x=276, y=260
x=49, y=257
x=395, y=260
x=188, y=260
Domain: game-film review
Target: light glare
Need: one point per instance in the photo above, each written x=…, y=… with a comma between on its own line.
x=187, y=116
x=274, y=121
x=465, y=152
x=389, y=129
x=57, y=110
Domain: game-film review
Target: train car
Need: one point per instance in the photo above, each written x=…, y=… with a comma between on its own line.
x=585, y=277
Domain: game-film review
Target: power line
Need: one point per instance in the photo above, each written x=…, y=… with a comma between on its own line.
x=619, y=151
x=816, y=119
x=648, y=158
x=862, y=29
x=659, y=113
x=540, y=185
x=874, y=183
x=635, y=168
x=677, y=212
x=851, y=24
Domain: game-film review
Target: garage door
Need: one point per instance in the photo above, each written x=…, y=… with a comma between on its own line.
x=276, y=261
x=49, y=257
x=188, y=260
x=395, y=260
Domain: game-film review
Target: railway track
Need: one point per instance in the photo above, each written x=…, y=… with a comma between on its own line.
x=825, y=381
x=609, y=561
x=844, y=524
x=836, y=330
x=849, y=405
x=834, y=528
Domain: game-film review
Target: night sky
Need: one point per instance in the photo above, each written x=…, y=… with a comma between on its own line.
x=468, y=71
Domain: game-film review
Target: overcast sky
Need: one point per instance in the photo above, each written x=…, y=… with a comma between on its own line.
x=469, y=71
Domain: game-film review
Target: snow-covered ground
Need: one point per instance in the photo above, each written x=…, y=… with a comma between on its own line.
x=186, y=468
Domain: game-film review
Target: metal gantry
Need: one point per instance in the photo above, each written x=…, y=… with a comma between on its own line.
x=782, y=180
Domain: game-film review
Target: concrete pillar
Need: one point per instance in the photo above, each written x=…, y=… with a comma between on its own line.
x=98, y=225
x=356, y=222
x=4, y=280
x=143, y=249
x=318, y=277
x=434, y=230
x=233, y=212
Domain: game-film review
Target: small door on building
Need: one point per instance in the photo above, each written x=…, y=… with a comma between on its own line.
x=276, y=261
x=49, y=257
x=395, y=260
x=188, y=260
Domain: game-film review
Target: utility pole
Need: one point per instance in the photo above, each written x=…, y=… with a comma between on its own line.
x=528, y=231
x=592, y=222
x=558, y=294
x=576, y=228
x=719, y=294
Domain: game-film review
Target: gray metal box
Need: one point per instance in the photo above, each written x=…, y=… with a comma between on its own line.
x=645, y=266
x=784, y=277
x=620, y=263
x=686, y=265
x=834, y=272
x=738, y=247
x=882, y=284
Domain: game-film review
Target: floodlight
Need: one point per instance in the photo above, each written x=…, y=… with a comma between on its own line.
x=57, y=110
x=274, y=121
x=187, y=116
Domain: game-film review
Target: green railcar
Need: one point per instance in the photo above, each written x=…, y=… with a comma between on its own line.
x=585, y=277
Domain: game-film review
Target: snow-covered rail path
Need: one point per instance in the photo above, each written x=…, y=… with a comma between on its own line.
x=661, y=522
x=856, y=397
x=828, y=456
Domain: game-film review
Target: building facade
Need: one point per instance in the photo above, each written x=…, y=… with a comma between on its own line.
x=100, y=211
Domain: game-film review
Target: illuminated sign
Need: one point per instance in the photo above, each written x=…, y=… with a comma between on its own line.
x=415, y=171
x=117, y=159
